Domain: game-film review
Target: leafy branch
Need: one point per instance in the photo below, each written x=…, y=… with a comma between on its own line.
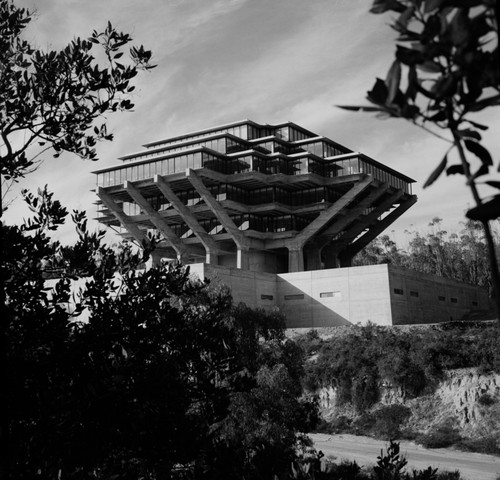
x=446, y=69
x=55, y=98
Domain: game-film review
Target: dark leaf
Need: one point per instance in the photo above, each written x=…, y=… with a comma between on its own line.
x=478, y=125
x=412, y=90
x=355, y=108
x=493, y=183
x=482, y=170
x=393, y=80
x=378, y=94
x=409, y=56
x=410, y=111
x=429, y=67
x=454, y=169
x=440, y=116
x=487, y=211
x=437, y=172
x=430, y=5
x=468, y=133
x=478, y=150
x=487, y=102
x=459, y=28
x=445, y=86
x=402, y=22
x=379, y=6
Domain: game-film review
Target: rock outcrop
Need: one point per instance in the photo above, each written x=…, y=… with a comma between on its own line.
x=466, y=399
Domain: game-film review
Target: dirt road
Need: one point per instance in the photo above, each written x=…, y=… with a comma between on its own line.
x=365, y=450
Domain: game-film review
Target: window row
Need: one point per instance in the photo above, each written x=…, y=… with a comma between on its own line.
x=256, y=163
x=221, y=145
x=221, y=192
x=264, y=223
x=441, y=298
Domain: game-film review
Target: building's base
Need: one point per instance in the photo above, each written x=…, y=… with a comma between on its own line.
x=380, y=294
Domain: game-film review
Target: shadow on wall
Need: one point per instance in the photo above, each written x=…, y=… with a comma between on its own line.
x=303, y=311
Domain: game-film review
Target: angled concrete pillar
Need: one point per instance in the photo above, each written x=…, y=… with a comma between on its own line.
x=211, y=249
x=295, y=259
x=326, y=215
x=366, y=221
x=352, y=215
x=159, y=222
x=375, y=230
x=125, y=221
x=242, y=244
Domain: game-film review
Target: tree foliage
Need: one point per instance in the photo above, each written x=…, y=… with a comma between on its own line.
x=138, y=374
x=461, y=256
x=446, y=70
x=55, y=99
x=364, y=359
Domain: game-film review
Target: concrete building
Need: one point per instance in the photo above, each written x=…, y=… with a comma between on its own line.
x=380, y=294
x=273, y=202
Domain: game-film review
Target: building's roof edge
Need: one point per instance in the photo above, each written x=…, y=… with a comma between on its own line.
x=388, y=169
x=205, y=130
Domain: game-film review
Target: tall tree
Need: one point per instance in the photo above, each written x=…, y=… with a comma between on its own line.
x=446, y=70
x=461, y=256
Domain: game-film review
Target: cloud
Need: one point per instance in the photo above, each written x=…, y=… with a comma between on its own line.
x=226, y=60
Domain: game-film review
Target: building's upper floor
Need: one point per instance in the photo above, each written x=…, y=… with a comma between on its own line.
x=246, y=146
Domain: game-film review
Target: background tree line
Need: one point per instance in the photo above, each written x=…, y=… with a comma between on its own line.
x=461, y=256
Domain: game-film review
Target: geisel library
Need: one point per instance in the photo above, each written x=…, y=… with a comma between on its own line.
x=277, y=213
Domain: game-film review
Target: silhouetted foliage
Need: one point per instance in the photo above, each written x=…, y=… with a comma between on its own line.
x=446, y=70
x=58, y=99
x=138, y=374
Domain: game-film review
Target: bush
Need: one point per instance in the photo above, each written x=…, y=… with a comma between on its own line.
x=489, y=444
x=388, y=420
x=356, y=362
x=486, y=400
x=444, y=436
x=350, y=470
x=363, y=425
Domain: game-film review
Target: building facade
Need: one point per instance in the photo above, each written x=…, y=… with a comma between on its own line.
x=264, y=198
x=273, y=211
x=380, y=294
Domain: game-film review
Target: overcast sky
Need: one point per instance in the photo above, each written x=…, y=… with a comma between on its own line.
x=270, y=61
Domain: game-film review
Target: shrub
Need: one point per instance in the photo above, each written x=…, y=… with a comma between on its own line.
x=486, y=400
x=363, y=425
x=350, y=470
x=442, y=437
x=487, y=444
x=388, y=420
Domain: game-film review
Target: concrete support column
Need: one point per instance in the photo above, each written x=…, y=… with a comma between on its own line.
x=295, y=259
x=330, y=257
x=211, y=257
x=312, y=255
x=243, y=259
x=345, y=260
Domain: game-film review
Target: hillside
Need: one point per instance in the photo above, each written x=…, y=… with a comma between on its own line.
x=438, y=386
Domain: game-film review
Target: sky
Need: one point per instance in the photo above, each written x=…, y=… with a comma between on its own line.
x=269, y=61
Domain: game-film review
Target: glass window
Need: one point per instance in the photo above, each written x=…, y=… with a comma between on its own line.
x=299, y=296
